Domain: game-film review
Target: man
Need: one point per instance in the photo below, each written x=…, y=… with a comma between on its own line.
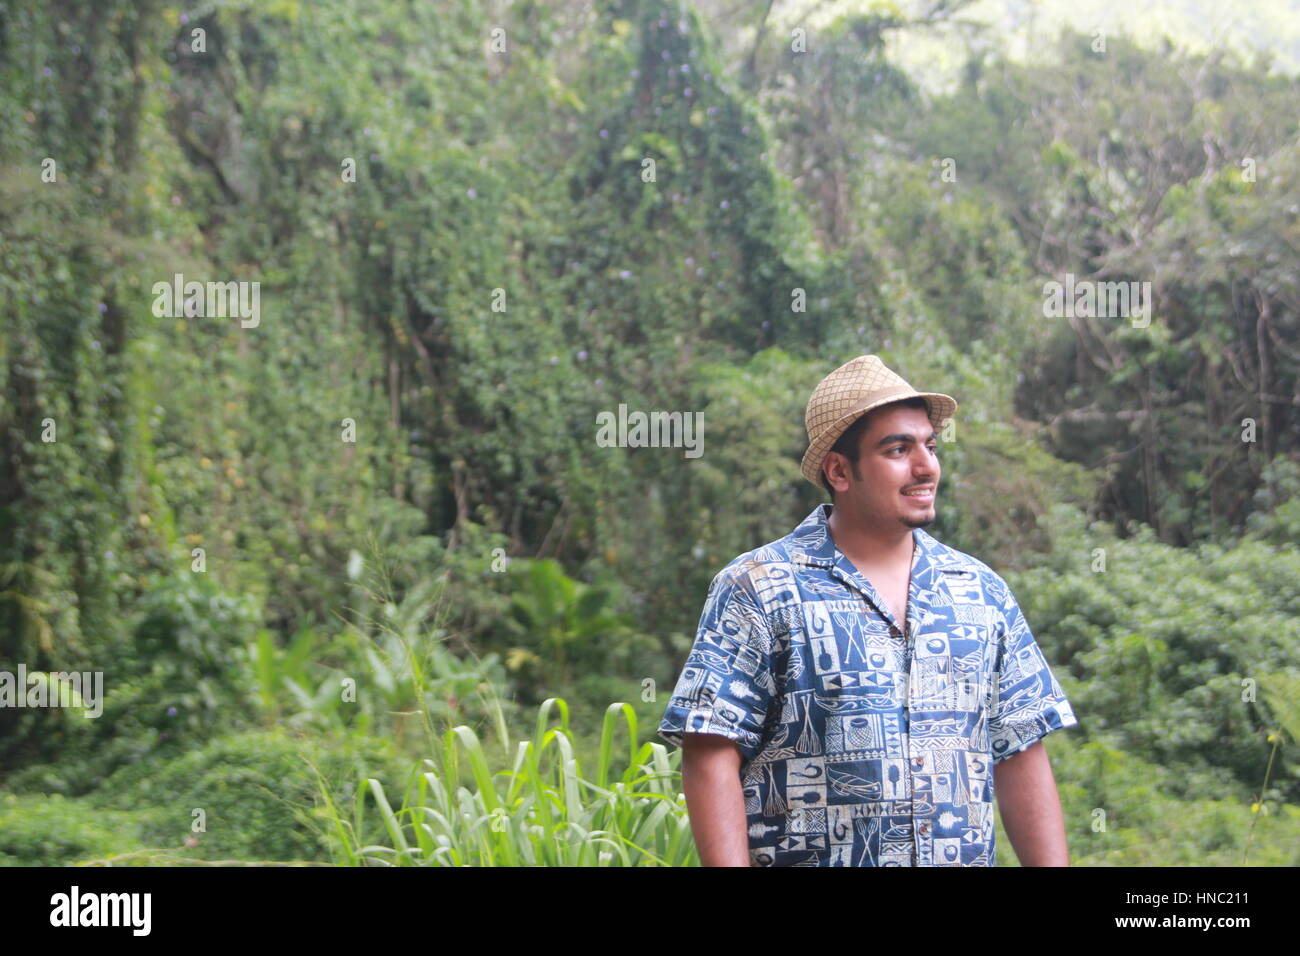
x=857, y=690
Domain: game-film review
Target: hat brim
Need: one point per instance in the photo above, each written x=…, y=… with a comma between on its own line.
x=939, y=406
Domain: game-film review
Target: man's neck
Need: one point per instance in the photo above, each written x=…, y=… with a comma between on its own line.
x=870, y=549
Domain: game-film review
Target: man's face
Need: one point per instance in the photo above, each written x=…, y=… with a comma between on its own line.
x=897, y=454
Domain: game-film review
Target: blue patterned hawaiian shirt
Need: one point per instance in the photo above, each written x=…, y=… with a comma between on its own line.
x=862, y=747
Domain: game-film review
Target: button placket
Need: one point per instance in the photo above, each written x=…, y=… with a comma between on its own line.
x=920, y=825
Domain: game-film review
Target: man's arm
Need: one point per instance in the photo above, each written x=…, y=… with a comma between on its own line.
x=1031, y=808
x=714, y=799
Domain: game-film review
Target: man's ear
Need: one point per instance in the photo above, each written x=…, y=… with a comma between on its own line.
x=826, y=463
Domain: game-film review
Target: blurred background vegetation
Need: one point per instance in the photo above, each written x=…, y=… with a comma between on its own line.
x=474, y=553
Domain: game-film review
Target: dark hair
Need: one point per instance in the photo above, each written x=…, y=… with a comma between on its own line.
x=847, y=444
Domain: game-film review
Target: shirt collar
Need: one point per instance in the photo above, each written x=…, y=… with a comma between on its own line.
x=811, y=545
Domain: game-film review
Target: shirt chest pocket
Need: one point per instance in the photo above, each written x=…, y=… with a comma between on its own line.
x=954, y=656
x=850, y=653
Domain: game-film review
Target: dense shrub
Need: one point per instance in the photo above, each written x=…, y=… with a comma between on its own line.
x=258, y=791
x=51, y=830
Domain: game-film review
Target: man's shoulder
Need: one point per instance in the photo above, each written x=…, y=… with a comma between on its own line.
x=749, y=569
x=755, y=564
x=950, y=561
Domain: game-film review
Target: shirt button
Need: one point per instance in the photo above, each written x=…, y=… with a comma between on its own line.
x=919, y=761
x=925, y=828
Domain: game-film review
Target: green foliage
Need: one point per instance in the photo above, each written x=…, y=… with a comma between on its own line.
x=501, y=269
x=559, y=621
x=40, y=830
x=1281, y=692
x=181, y=678
x=1118, y=168
x=384, y=674
x=278, y=671
x=1160, y=650
x=1276, y=513
x=543, y=811
x=191, y=639
x=258, y=793
x=1119, y=811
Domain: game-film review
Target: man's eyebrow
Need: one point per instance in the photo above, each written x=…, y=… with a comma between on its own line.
x=892, y=439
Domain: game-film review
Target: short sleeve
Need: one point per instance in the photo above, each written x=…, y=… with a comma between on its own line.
x=726, y=684
x=1028, y=703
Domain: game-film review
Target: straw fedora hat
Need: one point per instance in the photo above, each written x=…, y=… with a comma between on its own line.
x=849, y=392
